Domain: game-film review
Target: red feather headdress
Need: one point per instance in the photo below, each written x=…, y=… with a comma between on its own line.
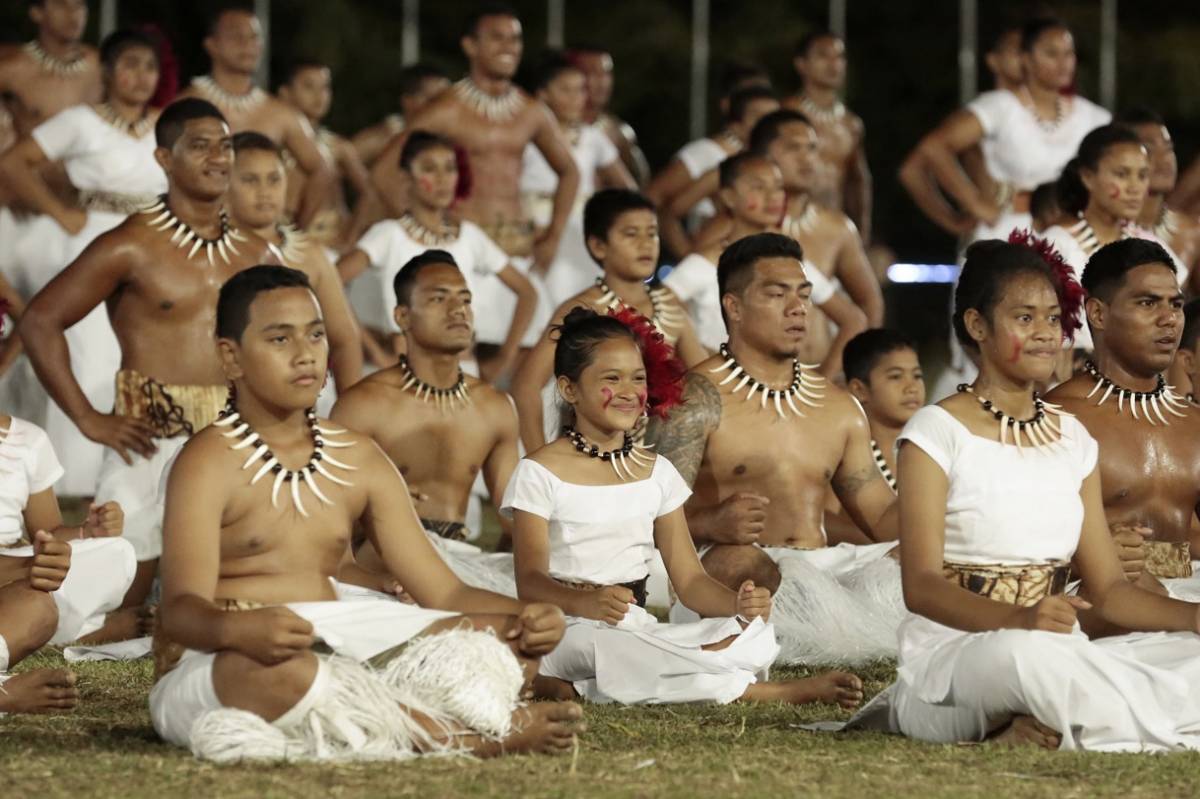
x=1070, y=294
x=664, y=371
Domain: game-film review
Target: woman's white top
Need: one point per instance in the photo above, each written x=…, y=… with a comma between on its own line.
x=1022, y=150
x=593, y=151
x=98, y=156
x=598, y=534
x=28, y=466
x=694, y=281
x=1006, y=505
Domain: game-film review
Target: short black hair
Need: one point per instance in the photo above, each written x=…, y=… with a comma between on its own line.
x=418, y=142
x=732, y=167
x=735, y=267
x=863, y=352
x=117, y=42
x=812, y=37
x=227, y=7
x=406, y=278
x=767, y=129
x=1033, y=29
x=1106, y=269
x=1191, y=328
x=741, y=74
x=1073, y=195
x=741, y=99
x=989, y=266
x=253, y=140
x=551, y=66
x=174, y=119
x=298, y=65
x=484, y=10
x=1001, y=35
x=1043, y=201
x=240, y=291
x=412, y=76
x=1140, y=115
x=602, y=209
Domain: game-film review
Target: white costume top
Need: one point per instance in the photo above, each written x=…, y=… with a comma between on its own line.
x=1006, y=505
x=698, y=157
x=694, y=281
x=28, y=466
x=389, y=247
x=601, y=534
x=98, y=156
x=593, y=151
x=1023, y=151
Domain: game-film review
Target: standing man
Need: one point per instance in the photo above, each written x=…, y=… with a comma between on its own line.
x=597, y=65
x=159, y=273
x=845, y=180
x=235, y=45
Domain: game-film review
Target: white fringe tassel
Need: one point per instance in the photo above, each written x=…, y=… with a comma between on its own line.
x=825, y=619
x=466, y=674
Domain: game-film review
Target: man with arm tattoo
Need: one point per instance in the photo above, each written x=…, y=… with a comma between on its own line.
x=762, y=439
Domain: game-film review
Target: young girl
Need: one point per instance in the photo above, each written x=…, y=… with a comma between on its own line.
x=107, y=150
x=999, y=492
x=1104, y=188
x=590, y=508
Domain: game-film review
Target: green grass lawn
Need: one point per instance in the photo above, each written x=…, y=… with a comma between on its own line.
x=107, y=748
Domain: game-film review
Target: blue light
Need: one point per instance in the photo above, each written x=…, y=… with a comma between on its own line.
x=923, y=273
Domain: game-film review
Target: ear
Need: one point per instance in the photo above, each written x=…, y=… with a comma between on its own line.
x=859, y=389
x=230, y=353
x=1095, y=311
x=285, y=93
x=728, y=197
x=1185, y=360
x=798, y=65
x=1088, y=178
x=36, y=14
x=566, y=390
x=210, y=46
x=991, y=61
x=598, y=248
x=400, y=316
x=162, y=156
x=733, y=307
x=977, y=327
x=469, y=46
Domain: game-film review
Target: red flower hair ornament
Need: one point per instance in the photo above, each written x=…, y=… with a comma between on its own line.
x=1071, y=295
x=664, y=371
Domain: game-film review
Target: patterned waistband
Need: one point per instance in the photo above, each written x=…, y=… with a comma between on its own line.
x=1023, y=586
x=114, y=202
x=167, y=652
x=172, y=410
x=638, y=587
x=514, y=237
x=1167, y=559
x=454, y=531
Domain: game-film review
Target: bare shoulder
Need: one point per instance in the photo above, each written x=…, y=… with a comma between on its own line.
x=368, y=392
x=701, y=405
x=495, y=404
x=588, y=298
x=842, y=409
x=205, y=453
x=855, y=124
x=836, y=220
x=1073, y=392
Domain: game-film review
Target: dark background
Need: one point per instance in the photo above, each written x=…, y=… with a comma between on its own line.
x=902, y=78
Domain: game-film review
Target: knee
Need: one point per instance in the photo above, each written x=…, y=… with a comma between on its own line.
x=43, y=617
x=733, y=564
x=269, y=691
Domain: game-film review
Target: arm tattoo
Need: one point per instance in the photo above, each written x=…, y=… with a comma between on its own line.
x=682, y=437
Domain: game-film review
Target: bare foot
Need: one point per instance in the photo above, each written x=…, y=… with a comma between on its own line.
x=39, y=691
x=553, y=688
x=1026, y=731
x=123, y=625
x=547, y=728
x=833, y=688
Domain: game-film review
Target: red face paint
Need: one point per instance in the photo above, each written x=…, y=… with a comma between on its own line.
x=1016, y=350
x=643, y=396
x=426, y=183
x=607, y=393
x=752, y=204
x=1114, y=193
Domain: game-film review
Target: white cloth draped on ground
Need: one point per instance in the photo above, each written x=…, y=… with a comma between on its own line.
x=837, y=605
x=101, y=572
x=353, y=711
x=644, y=661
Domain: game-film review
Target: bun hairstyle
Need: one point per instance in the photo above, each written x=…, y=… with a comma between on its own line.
x=992, y=264
x=1072, y=194
x=583, y=330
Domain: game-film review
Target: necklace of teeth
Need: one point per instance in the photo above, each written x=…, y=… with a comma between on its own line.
x=182, y=234
x=882, y=463
x=631, y=455
x=58, y=67
x=1086, y=236
x=826, y=116
x=1043, y=431
x=293, y=244
x=793, y=226
x=444, y=235
x=318, y=464
x=239, y=103
x=1163, y=396
x=446, y=399
x=491, y=107
x=134, y=130
x=1060, y=113
x=664, y=315
x=807, y=388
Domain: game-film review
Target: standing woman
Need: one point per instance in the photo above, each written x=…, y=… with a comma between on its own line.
x=108, y=152
x=999, y=493
x=1103, y=189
